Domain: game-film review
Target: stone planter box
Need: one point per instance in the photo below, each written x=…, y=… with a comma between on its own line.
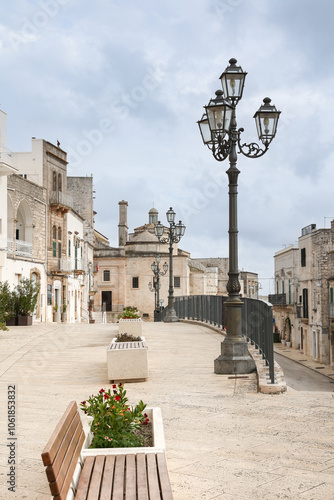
x=131, y=326
x=127, y=361
x=154, y=414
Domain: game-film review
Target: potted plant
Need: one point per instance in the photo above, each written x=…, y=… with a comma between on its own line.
x=25, y=300
x=127, y=358
x=56, y=316
x=130, y=321
x=64, y=314
x=7, y=312
x=116, y=427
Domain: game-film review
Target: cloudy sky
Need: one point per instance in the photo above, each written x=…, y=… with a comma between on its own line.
x=121, y=84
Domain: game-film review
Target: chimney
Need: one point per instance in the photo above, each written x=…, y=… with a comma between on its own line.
x=123, y=223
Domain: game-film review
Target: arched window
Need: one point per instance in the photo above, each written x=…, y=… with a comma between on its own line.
x=59, y=182
x=54, y=184
x=54, y=233
x=59, y=233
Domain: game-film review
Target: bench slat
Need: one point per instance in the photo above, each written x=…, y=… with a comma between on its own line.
x=130, y=478
x=51, y=449
x=152, y=476
x=68, y=466
x=84, y=480
x=118, y=491
x=95, y=482
x=166, y=490
x=107, y=480
x=142, y=489
x=70, y=439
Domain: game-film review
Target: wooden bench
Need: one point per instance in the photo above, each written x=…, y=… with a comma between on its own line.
x=140, y=476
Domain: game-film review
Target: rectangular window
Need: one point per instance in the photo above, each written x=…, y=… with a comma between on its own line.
x=69, y=248
x=49, y=295
x=54, y=249
x=106, y=275
x=303, y=257
x=135, y=282
x=59, y=250
x=331, y=294
x=177, y=282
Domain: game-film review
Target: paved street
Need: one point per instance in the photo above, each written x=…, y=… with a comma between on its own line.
x=301, y=378
x=224, y=440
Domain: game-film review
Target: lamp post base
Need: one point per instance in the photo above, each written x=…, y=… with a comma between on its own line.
x=171, y=316
x=234, y=359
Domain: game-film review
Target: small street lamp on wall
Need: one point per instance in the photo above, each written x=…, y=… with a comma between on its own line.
x=174, y=234
x=218, y=127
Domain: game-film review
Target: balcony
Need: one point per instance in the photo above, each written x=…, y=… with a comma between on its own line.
x=331, y=310
x=278, y=299
x=79, y=266
x=64, y=266
x=61, y=200
x=6, y=167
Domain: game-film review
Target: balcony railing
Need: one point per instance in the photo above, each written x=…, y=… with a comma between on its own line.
x=59, y=198
x=65, y=265
x=331, y=310
x=23, y=248
x=79, y=265
x=278, y=299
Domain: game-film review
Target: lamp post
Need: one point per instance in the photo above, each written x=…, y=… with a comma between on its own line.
x=175, y=233
x=156, y=279
x=218, y=127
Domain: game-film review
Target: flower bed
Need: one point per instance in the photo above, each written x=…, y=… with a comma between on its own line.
x=114, y=425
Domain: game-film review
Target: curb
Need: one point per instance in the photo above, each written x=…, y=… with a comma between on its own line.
x=263, y=381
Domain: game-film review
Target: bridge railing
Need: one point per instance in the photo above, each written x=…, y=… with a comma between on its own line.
x=257, y=320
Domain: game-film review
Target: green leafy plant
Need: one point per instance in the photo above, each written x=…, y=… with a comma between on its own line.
x=64, y=308
x=115, y=424
x=55, y=308
x=25, y=297
x=127, y=337
x=7, y=310
x=129, y=313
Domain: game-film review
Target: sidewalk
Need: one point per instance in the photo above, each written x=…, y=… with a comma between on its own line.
x=224, y=441
x=304, y=360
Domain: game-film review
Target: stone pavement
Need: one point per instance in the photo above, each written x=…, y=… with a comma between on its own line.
x=224, y=440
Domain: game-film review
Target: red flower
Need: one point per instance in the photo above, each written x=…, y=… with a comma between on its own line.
x=115, y=392
x=106, y=396
x=114, y=386
x=145, y=415
x=102, y=391
x=117, y=398
x=83, y=402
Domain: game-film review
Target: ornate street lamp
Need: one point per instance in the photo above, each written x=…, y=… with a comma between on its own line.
x=156, y=279
x=218, y=127
x=175, y=233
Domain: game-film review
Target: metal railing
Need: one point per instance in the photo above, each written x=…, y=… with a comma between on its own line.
x=278, y=299
x=257, y=320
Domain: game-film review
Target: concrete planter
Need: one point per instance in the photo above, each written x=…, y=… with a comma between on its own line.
x=154, y=414
x=127, y=361
x=131, y=326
